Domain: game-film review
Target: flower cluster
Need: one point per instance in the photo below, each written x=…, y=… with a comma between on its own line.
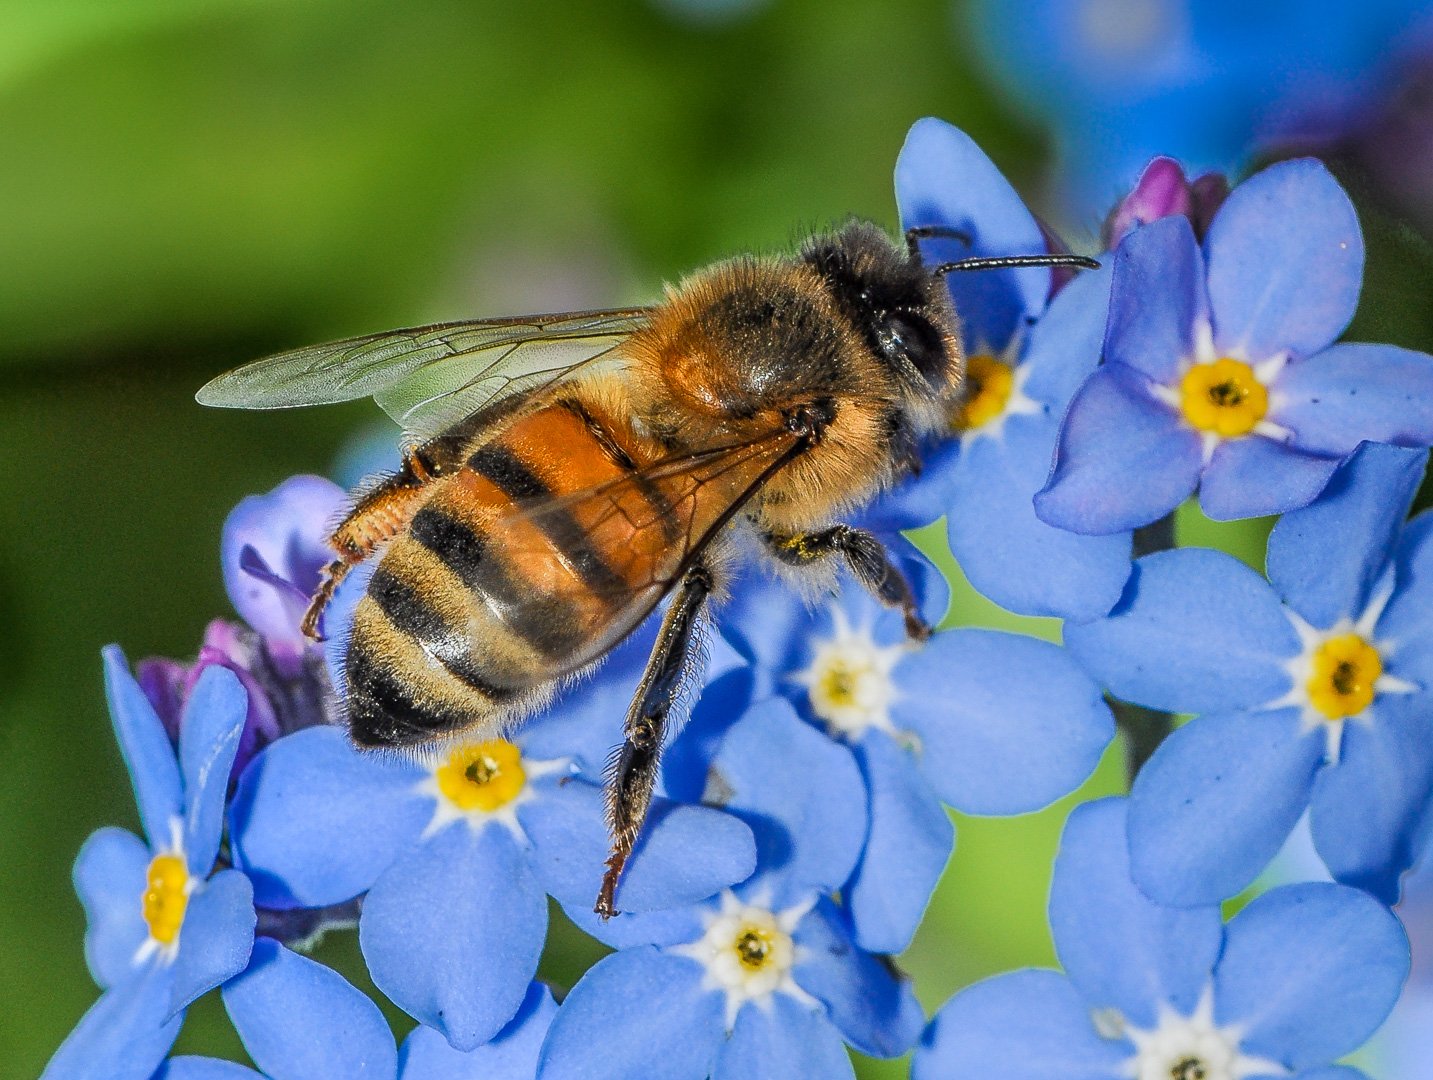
x=800, y=822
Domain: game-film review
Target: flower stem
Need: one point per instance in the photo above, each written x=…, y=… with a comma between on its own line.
x=1144, y=729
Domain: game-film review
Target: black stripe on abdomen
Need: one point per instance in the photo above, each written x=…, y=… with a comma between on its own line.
x=506, y=472
x=449, y=645
x=477, y=563
x=661, y=506
x=384, y=712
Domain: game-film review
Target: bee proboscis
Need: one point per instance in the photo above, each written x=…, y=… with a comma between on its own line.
x=568, y=472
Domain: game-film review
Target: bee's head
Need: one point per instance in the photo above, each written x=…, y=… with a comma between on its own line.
x=903, y=310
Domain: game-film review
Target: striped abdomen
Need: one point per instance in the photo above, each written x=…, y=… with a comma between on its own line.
x=537, y=556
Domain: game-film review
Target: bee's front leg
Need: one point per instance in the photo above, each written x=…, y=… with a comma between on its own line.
x=380, y=512
x=865, y=555
x=633, y=771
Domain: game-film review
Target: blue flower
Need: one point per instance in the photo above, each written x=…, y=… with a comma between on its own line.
x=300, y=1019
x=455, y=853
x=765, y=980
x=990, y=723
x=163, y=927
x=1219, y=373
x=1207, y=81
x=1026, y=354
x=1315, y=687
x=273, y=550
x=1300, y=977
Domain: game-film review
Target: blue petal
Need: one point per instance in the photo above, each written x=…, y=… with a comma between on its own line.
x=1370, y=810
x=1156, y=299
x=1120, y=949
x=123, y=1036
x=286, y=528
x=1007, y=724
x=300, y=1020
x=1351, y=392
x=788, y=1039
x=1332, y=1072
x=1310, y=971
x=944, y=178
x=208, y=738
x=800, y=792
x=452, y=932
x=914, y=501
x=1325, y=559
x=1008, y=553
x=314, y=821
x=638, y=1012
x=110, y=877
x=1216, y=802
x=216, y=938
x=1256, y=477
x=1065, y=344
x=1123, y=459
x=668, y=926
x=146, y=750
x=909, y=841
x=875, y=1008
x=511, y=1055
x=722, y=702
x=1027, y=1025
x=685, y=853
x=1197, y=630
x=202, y=1068
x=1285, y=262
x=1405, y=630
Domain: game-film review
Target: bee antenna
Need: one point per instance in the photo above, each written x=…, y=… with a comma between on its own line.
x=1001, y=262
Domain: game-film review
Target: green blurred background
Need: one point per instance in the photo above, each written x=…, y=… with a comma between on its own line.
x=187, y=184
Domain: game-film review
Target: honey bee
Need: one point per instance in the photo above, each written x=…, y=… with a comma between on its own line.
x=565, y=473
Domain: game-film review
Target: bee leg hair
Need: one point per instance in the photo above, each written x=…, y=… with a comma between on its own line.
x=865, y=555
x=380, y=512
x=633, y=769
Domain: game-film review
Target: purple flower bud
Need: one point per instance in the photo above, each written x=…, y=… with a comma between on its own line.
x=1164, y=191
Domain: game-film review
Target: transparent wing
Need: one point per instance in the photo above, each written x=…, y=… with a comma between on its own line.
x=430, y=377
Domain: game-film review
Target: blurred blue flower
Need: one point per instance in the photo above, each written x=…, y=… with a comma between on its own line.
x=1206, y=81
x=765, y=980
x=162, y=928
x=1301, y=976
x=301, y=1020
x=990, y=723
x=1405, y=1045
x=455, y=853
x=1026, y=354
x=1315, y=685
x=1219, y=373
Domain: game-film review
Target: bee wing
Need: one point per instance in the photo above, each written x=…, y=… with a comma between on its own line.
x=430, y=377
x=659, y=517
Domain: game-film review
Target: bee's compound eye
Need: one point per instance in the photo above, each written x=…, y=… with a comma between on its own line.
x=912, y=338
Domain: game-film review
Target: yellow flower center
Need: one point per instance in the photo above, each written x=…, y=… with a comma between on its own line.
x=1344, y=672
x=166, y=895
x=482, y=776
x=988, y=385
x=1224, y=397
x=753, y=947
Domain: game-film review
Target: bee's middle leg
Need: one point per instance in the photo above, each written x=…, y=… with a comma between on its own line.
x=868, y=560
x=633, y=772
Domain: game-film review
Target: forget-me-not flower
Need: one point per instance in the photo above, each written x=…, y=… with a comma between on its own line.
x=164, y=927
x=765, y=980
x=988, y=722
x=1300, y=977
x=1025, y=354
x=1220, y=373
x=1314, y=687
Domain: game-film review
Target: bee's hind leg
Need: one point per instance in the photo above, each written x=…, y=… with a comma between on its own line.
x=381, y=512
x=867, y=558
x=633, y=770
